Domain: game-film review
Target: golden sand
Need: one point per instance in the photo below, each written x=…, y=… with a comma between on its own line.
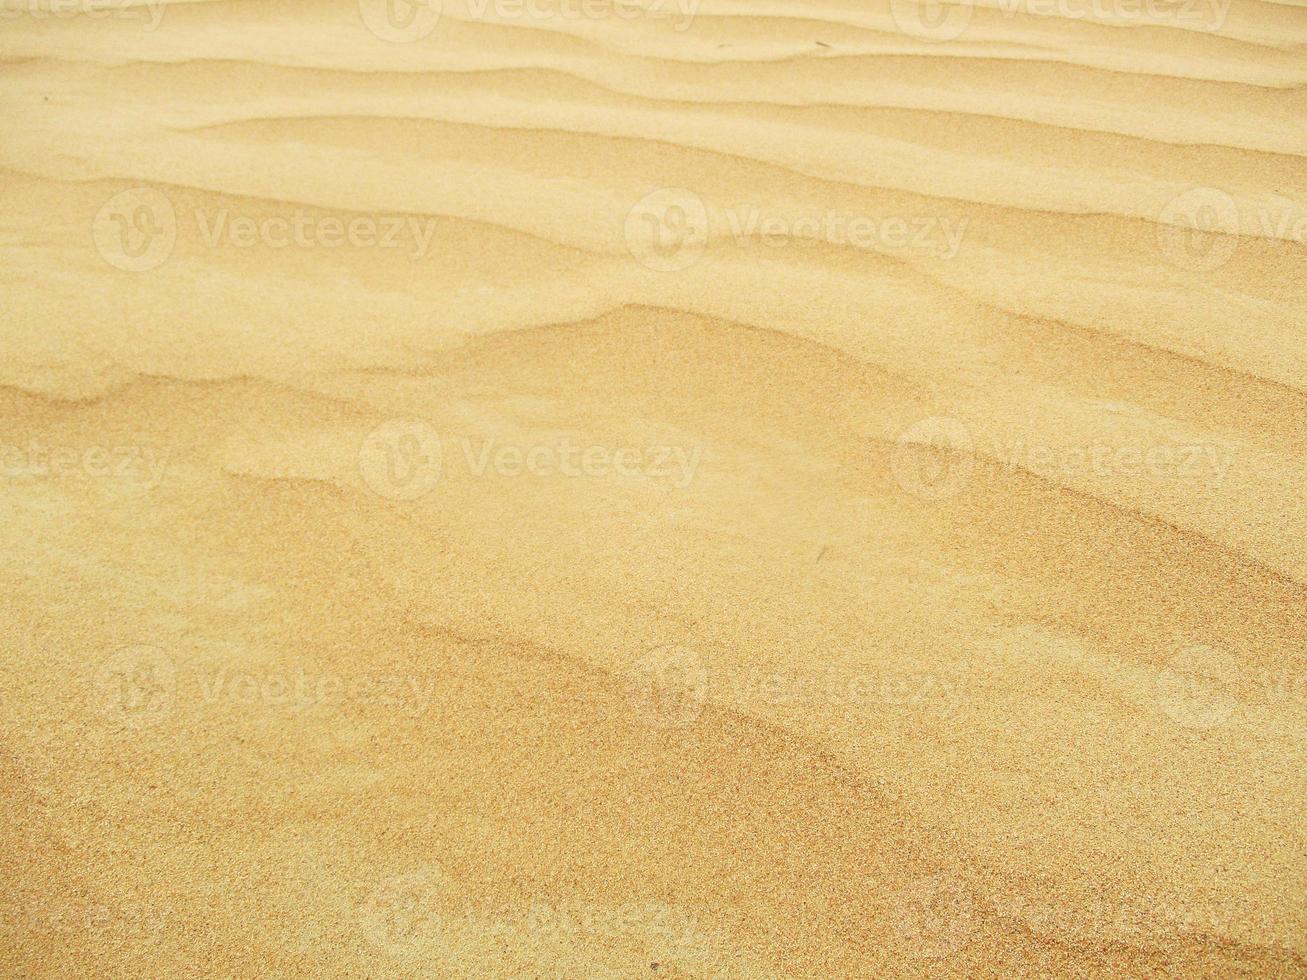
x=690, y=488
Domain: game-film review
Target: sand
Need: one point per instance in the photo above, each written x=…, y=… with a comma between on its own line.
x=738, y=488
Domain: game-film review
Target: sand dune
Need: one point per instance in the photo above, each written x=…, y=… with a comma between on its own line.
x=737, y=488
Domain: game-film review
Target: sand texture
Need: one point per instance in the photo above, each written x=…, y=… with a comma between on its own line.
x=676, y=488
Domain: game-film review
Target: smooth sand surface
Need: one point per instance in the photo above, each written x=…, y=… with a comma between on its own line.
x=751, y=488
